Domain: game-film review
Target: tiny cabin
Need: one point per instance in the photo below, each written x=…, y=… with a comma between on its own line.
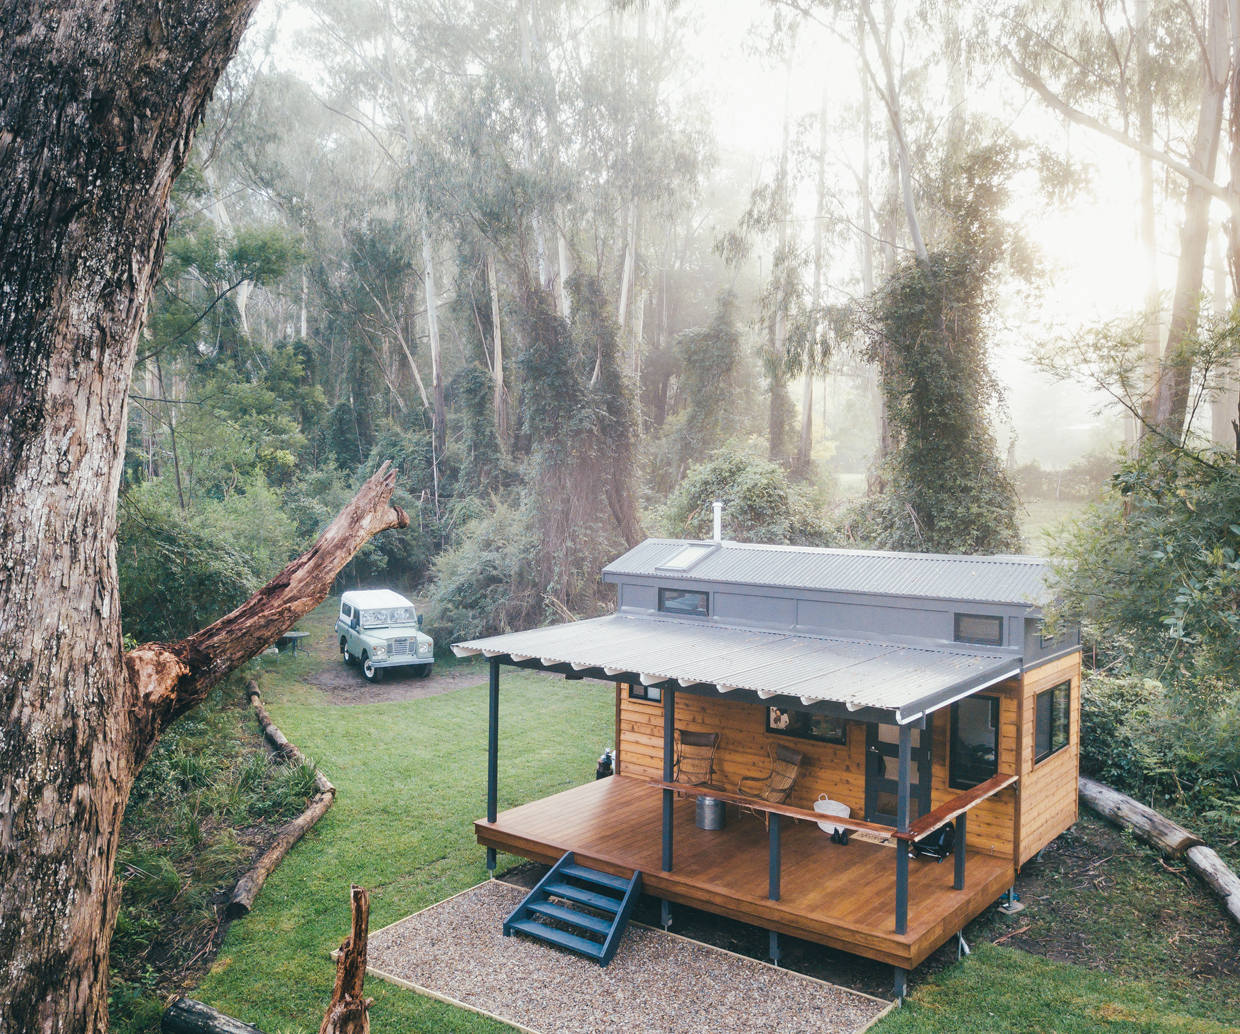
x=910, y=699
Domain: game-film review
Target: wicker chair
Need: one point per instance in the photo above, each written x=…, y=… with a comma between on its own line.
x=775, y=787
x=695, y=757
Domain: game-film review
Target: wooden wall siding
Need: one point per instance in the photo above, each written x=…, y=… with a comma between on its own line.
x=1048, y=791
x=834, y=769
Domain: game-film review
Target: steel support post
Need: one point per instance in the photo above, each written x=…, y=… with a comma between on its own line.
x=900, y=985
x=961, y=834
x=773, y=880
x=669, y=769
x=906, y=761
x=775, y=947
x=493, y=754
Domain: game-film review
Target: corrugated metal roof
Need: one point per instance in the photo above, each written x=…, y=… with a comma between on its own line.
x=979, y=579
x=857, y=672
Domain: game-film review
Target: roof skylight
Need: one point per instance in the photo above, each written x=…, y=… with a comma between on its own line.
x=686, y=558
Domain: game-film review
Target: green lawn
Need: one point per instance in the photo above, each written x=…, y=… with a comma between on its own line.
x=411, y=777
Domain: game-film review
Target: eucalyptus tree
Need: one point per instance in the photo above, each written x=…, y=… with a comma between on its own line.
x=1158, y=69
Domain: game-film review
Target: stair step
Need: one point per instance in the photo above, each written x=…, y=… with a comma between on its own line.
x=603, y=879
x=564, y=940
x=584, y=897
x=568, y=915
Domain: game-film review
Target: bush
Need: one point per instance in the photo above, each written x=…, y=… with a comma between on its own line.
x=759, y=504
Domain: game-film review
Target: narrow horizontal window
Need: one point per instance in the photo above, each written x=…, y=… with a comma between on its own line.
x=684, y=601
x=806, y=726
x=1052, y=721
x=637, y=691
x=979, y=628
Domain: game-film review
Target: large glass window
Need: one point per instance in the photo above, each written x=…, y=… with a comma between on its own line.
x=684, y=601
x=979, y=628
x=975, y=742
x=1052, y=720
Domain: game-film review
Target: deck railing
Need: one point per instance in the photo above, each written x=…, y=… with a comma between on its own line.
x=957, y=808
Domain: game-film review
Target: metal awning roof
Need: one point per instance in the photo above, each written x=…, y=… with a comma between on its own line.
x=908, y=680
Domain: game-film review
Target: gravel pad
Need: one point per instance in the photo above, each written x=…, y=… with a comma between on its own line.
x=656, y=984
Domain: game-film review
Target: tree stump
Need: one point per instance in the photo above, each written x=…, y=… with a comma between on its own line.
x=347, y=1013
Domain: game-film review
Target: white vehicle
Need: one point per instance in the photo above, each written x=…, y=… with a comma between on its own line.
x=381, y=629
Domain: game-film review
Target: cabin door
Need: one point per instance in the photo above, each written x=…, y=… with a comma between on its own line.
x=882, y=773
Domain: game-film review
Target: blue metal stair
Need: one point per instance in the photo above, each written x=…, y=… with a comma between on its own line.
x=574, y=884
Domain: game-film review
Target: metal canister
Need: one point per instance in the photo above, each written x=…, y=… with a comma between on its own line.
x=710, y=813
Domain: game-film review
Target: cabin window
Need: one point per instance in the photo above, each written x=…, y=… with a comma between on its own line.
x=1054, y=710
x=653, y=694
x=686, y=558
x=806, y=726
x=346, y=610
x=982, y=629
x=684, y=601
x=975, y=742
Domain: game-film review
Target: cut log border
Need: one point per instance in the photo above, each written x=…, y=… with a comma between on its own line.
x=244, y=894
x=1160, y=832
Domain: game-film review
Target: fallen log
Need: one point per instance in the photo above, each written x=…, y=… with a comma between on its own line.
x=1155, y=829
x=1162, y=833
x=1206, y=863
x=186, y=1016
x=279, y=740
x=347, y=1011
x=244, y=893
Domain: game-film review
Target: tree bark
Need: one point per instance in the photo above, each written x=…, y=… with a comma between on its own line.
x=246, y=891
x=807, y=388
x=186, y=1016
x=501, y=404
x=1149, y=243
x=346, y=1014
x=98, y=108
x=1146, y=823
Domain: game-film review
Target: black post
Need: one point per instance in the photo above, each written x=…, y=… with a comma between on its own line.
x=775, y=947
x=906, y=761
x=773, y=882
x=900, y=985
x=961, y=832
x=669, y=769
x=493, y=754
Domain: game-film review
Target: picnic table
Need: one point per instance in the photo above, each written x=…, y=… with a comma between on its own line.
x=295, y=637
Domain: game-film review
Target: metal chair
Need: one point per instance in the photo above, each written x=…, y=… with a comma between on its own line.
x=695, y=757
x=775, y=787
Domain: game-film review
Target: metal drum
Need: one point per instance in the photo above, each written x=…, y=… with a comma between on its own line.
x=710, y=813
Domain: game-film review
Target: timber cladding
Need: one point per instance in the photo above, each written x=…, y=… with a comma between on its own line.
x=838, y=770
x=1048, y=789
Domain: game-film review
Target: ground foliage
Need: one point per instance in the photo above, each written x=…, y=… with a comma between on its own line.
x=209, y=800
x=1152, y=574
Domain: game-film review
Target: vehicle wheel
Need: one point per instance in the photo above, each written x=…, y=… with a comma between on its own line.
x=369, y=671
x=344, y=651
x=424, y=671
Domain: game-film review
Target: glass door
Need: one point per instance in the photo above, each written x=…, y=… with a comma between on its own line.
x=882, y=773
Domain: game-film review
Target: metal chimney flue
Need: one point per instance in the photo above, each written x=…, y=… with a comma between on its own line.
x=718, y=507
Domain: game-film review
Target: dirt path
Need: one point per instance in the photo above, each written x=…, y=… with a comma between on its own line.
x=344, y=685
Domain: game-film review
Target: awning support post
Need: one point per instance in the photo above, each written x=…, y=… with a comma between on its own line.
x=961, y=833
x=900, y=985
x=493, y=755
x=669, y=769
x=906, y=762
x=773, y=879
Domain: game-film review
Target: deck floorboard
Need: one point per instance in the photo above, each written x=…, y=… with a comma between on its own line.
x=841, y=896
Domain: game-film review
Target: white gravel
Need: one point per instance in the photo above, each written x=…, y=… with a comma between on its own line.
x=656, y=984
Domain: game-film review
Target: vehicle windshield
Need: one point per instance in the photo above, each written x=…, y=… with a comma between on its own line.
x=392, y=616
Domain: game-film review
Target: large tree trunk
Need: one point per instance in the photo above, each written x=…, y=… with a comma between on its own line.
x=98, y=106
x=1177, y=367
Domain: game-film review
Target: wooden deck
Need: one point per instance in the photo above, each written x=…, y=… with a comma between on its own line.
x=840, y=896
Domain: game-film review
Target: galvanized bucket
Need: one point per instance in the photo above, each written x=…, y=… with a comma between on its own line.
x=710, y=813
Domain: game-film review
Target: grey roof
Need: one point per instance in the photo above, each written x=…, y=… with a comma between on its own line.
x=906, y=679
x=1020, y=580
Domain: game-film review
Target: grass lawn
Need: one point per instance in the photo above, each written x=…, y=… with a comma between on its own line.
x=411, y=777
